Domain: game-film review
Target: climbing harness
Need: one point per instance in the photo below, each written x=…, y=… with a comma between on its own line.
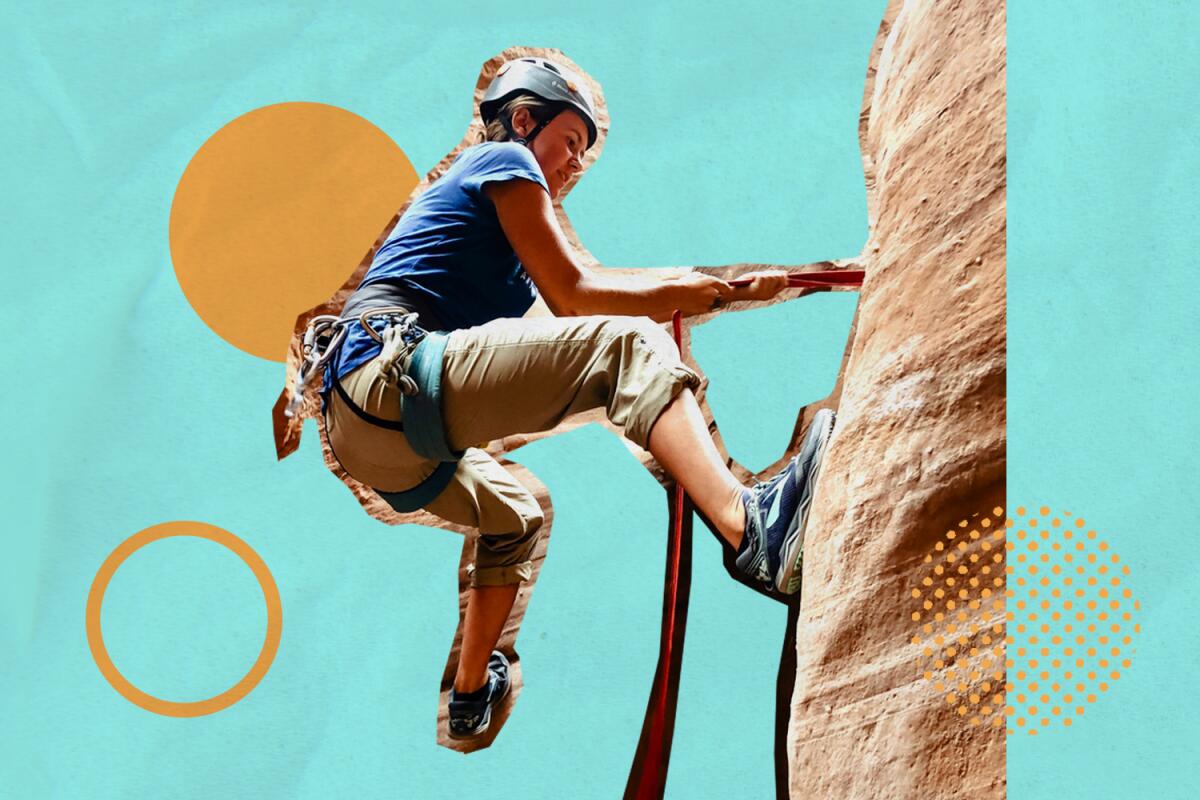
x=325, y=334
x=420, y=389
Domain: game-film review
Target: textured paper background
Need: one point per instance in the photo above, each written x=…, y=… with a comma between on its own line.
x=733, y=139
x=1102, y=329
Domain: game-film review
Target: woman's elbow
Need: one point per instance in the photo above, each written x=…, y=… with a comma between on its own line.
x=570, y=302
x=567, y=308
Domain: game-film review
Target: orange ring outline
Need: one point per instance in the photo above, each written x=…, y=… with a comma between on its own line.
x=168, y=707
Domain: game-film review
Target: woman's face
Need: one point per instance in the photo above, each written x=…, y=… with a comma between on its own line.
x=558, y=148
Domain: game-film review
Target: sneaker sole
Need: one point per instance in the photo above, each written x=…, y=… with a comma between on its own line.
x=788, y=579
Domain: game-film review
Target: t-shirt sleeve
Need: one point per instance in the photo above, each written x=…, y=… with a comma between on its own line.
x=499, y=162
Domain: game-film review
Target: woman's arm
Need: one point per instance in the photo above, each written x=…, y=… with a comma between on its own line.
x=527, y=217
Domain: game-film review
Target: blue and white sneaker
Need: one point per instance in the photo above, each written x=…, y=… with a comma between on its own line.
x=471, y=713
x=776, y=512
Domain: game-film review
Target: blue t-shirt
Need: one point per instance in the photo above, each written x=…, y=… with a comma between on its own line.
x=449, y=252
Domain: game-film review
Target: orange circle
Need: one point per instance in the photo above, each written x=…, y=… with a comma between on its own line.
x=168, y=707
x=275, y=211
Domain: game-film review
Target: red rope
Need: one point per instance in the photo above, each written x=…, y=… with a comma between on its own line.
x=671, y=594
x=648, y=777
x=816, y=280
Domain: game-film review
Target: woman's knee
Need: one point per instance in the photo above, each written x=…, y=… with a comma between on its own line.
x=510, y=511
x=504, y=558
x=644, y=337
x=640, y=328
x=648, y=373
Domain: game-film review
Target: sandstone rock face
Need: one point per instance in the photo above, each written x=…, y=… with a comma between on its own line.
x=921, y=431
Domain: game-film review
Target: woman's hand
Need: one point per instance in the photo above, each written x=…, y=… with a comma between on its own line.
x=763, y=285
x=698, y=293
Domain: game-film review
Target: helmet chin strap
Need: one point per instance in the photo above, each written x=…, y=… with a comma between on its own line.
x=524, y=140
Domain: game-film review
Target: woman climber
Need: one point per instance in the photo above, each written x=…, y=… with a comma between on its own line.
x=437, y=357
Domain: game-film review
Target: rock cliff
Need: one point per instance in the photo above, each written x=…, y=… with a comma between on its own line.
x=921, y=431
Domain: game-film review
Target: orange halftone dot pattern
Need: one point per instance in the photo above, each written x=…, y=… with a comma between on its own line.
x=274, y=213
x=1071, y=618
x=960, y=610
x=1025, y=619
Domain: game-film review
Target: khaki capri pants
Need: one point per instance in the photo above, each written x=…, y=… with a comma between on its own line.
x=506, y=377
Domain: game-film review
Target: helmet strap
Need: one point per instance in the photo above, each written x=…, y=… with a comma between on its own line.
x=536, y=130
x=525, y=140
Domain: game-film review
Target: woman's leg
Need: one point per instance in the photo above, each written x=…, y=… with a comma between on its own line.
x=523, y=376
x=485, y=496
x=482, y=495
x=680, y=442
x=488, y=608
x=519, y=376
x=527, y=375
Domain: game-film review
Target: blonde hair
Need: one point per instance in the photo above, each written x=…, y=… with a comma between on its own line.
x=539, y=108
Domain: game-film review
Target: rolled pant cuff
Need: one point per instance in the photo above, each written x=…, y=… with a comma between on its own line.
x=659, y=393
x=500, y=576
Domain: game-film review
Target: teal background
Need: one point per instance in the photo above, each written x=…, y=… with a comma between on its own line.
x=733, y=139
x=1103, y=373
x=132, y=412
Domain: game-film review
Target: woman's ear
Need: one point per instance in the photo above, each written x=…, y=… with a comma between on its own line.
x=522, y=122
